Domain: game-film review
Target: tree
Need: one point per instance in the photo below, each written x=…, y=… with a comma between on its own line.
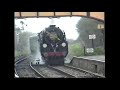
x=17, y=31
x=22, y=47
x=22, y=24
x=21, y=40
x=24, y=39
x=33, y=44
x=86, y=27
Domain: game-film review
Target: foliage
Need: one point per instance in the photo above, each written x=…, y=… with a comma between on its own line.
x=17, y=53
x=21, y=40
x=17, y=30
x=75, y=50
x=33, y=44
x=97, y=51
x=86, y=27
x=22, y=45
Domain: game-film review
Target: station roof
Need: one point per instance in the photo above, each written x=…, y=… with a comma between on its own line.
x=95, y=15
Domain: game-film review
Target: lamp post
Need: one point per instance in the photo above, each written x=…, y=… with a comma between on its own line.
x=101, y=27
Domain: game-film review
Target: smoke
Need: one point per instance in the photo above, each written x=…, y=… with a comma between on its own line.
x=38, y=55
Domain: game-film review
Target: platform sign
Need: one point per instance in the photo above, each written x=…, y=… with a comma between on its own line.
x=89, y=50
x=100, y=26
x=92, y=36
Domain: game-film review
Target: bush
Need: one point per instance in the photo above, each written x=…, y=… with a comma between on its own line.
x=97, y=51
x=25, y=52
x=75, y=50
x=17, y=53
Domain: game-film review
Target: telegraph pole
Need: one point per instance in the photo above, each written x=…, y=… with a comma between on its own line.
x=92, y=43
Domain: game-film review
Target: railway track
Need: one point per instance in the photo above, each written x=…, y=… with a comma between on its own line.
x=18, y=61
x=49, y=72
x=64, y=72
x=23, y=69
x=85, y=71
x=38, y=73
x=77, y=72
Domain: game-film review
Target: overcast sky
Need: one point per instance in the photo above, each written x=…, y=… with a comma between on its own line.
x=35, y=25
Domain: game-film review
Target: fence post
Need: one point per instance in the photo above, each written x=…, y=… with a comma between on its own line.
x=84, y=50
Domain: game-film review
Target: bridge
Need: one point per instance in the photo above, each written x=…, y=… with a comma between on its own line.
x=95, y=15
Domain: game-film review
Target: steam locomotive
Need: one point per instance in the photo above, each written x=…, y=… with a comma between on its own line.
x=53, y=45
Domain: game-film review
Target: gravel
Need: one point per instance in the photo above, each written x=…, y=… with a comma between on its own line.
x=73, y=72
x=50, y=73
x=25, y=71
x=25, y=61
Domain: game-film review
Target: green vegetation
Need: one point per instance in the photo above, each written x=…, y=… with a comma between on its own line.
x=86, y=27
x=22, y=44
x=97, y=51
x=33, y=44
x=76, y=50
x=21, y=38
x=17, y=53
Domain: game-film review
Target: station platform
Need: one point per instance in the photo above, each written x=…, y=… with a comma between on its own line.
x=97, y=58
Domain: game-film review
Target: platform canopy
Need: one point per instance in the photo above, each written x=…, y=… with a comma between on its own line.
x=95, y=15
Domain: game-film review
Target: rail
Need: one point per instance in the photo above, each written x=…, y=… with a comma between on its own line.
x=85, y=71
